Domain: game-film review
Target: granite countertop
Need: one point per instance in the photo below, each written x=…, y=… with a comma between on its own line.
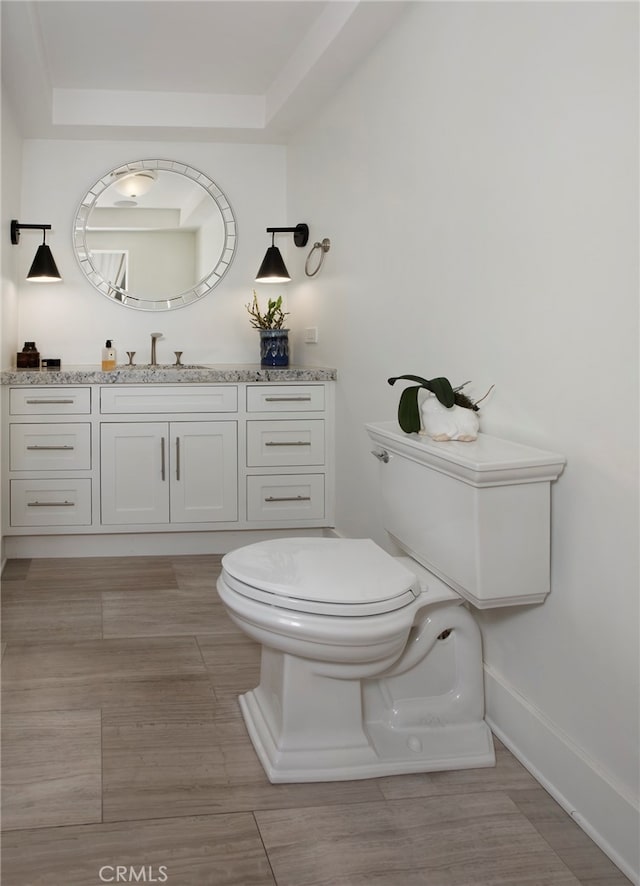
x=165, y=374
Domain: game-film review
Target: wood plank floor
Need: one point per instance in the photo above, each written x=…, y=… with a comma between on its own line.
x=124, y=754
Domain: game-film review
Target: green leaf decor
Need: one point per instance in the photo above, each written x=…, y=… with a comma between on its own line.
x=408, y=408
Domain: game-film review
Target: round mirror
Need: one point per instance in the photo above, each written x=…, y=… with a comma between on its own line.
x=154, y=235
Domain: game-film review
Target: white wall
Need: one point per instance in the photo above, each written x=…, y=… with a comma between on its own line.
x=71, y=320
x=10, y=175
x=478, y=179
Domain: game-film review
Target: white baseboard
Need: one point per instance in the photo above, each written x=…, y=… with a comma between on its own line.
x=600, y=806
x=147, y=544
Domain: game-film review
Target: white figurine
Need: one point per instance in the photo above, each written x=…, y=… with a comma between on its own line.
x=448, y=423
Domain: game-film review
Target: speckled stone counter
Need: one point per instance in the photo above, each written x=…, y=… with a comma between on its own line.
x=124, y=375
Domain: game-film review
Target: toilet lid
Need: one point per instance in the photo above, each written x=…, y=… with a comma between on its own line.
x=331, y=576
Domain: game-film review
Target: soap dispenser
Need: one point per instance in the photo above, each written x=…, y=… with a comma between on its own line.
x=108, y=356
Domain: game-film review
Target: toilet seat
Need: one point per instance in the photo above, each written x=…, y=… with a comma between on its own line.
x=325, y=576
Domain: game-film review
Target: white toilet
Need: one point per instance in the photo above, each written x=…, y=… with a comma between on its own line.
x=372, y=664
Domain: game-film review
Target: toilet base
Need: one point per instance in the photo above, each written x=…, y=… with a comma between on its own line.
x=379, y=751
x=313, y=720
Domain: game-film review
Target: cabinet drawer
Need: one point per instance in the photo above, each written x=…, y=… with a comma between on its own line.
x=281, y=498
x=49, y=447
x=50, y=502
x=50, y=401
x=282, y=443
x=156, y=398
x=285, y=398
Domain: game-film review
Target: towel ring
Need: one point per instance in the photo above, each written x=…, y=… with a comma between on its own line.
x=325, y=246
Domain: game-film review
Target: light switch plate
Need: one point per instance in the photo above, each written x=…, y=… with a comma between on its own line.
x=311, y=335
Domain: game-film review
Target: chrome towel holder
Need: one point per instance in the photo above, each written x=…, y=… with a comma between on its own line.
x=324, y=247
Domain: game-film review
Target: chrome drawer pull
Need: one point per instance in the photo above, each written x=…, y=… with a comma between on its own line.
x=291, y=443
x=37, y=448
x=46, y=402
x=287, y=399
x=178, y=459
x=289, y=498
x=162, y=459
x=51, y=504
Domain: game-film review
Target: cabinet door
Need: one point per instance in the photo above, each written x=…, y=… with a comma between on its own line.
x=282, y=498
x=134, y=460
x=50, y=447
x=50, y=401
x=285, y=398
x=135, y=399
x=204, y=471
x=285, y=443
x=50, y=502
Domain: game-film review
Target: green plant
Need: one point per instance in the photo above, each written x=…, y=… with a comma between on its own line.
x=408, y=409
x=273, y=317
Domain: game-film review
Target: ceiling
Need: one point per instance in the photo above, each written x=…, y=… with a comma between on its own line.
x=198, y=70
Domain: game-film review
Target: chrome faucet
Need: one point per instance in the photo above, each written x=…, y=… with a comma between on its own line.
x=154, y=337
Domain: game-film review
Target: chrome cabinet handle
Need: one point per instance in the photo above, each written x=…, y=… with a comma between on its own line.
x=51, y=504
x=288, y=443
x=46, y=402
x=381, y=454
x=40, y=448
x=287, y=399
x=162, y=460
x=289, y=498
x=178, y=458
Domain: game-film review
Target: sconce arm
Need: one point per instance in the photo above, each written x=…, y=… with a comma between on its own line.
x=17, y=226
x=300, y=233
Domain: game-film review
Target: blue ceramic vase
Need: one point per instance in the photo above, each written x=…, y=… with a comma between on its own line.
x=274, y=347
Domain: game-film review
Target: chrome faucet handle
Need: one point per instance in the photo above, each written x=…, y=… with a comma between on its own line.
x=131, y=355
x=178, y=356
x=154, y=337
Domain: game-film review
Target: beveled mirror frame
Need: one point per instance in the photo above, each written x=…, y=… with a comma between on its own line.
x=128, y=299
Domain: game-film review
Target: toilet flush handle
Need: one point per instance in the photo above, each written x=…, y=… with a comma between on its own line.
x=381, y=454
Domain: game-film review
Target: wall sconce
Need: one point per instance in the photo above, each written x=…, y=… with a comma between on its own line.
x=273, y=268
x=43, y=269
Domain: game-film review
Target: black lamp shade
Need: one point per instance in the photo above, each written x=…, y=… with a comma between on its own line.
x=43, y=269
x=273, y=268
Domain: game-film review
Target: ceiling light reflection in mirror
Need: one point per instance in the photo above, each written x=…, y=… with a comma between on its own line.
x=155, y=235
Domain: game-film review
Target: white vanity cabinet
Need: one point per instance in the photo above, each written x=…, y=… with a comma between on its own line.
x=48, y=452
x=168, y=472
x=287, y=454
x=171, y=471
x=125, y=459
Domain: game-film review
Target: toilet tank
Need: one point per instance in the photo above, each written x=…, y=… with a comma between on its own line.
x=477, y=514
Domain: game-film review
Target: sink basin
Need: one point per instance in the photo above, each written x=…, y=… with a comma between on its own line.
x=162, y=366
